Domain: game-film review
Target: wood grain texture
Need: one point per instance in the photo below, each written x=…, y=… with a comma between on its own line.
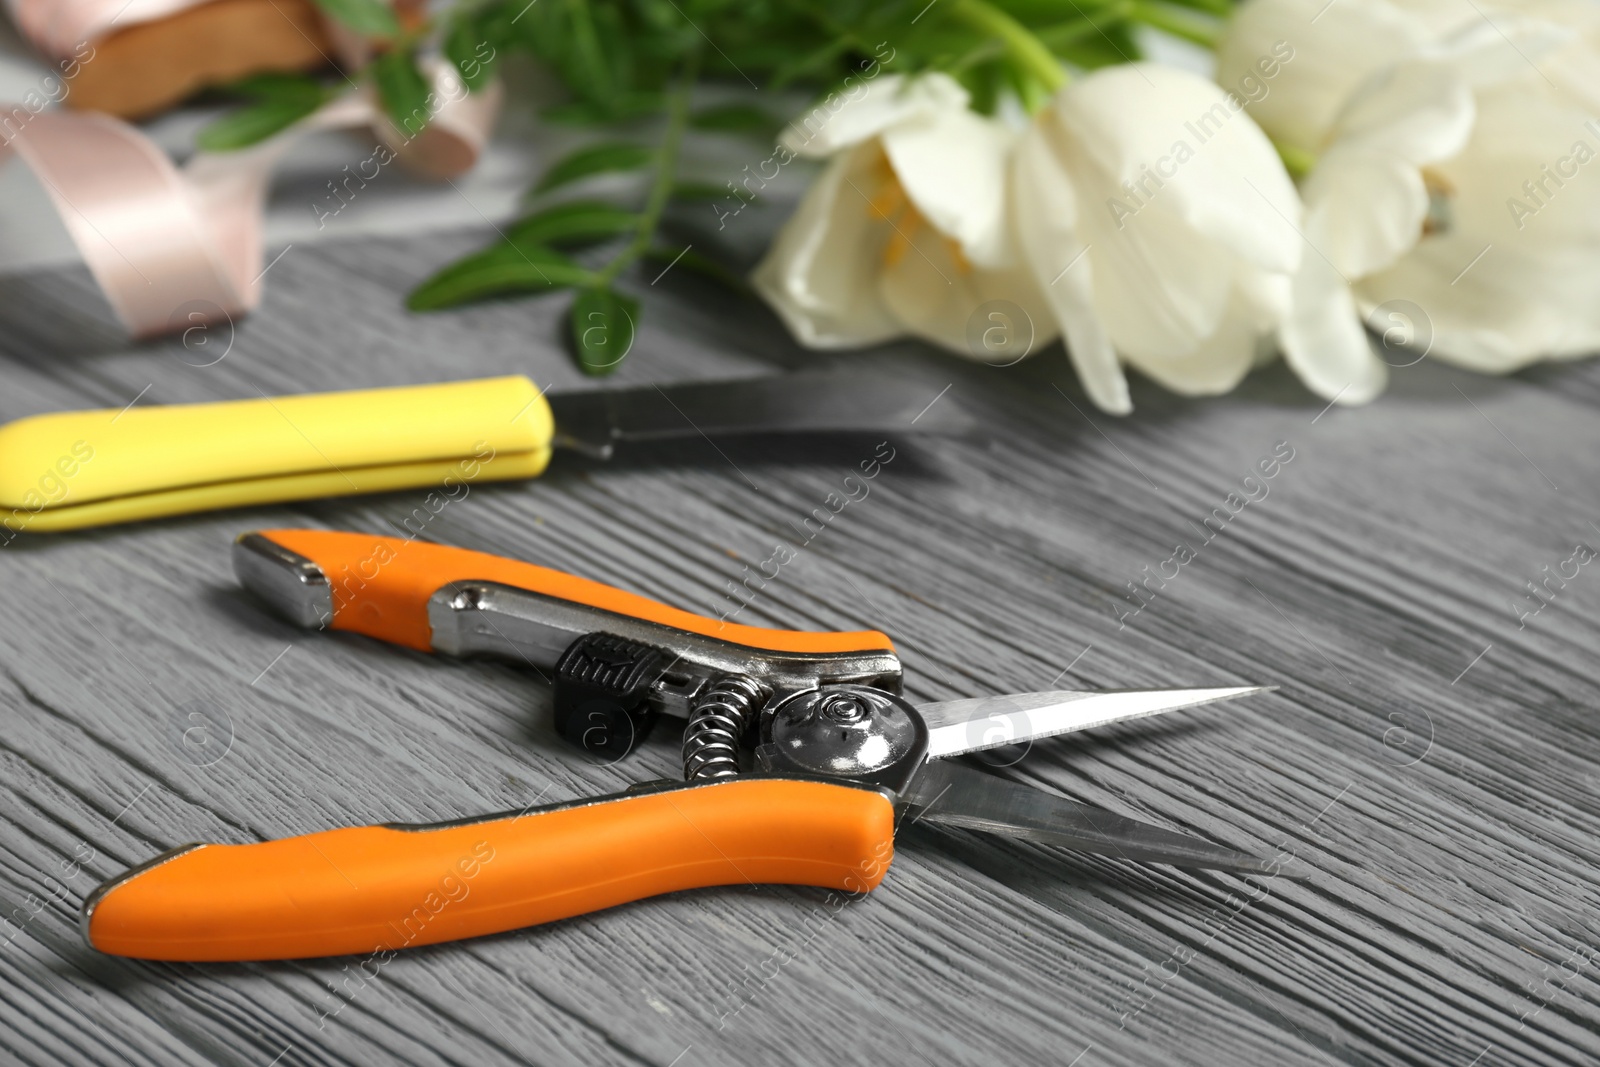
x=1429, y=760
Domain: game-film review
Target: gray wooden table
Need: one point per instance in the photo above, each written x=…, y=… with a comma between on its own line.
x=1427, y=768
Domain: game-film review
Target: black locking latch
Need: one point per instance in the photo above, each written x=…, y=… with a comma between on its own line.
x=602, y=692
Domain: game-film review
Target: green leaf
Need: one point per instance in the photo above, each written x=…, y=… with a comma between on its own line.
x=737, y=118
x=698, y=191
x=499, y=269
x=603, y=329
x=595, y=159
x=371, y=18
x=808, y=64
x=620, y=109
x=1112, y=45
x=702, y=265
x=278, y=86
x=470, y=45
x=614, y=34
x=584, y=62
x=403, y=90
x=983, y=83
x=575, y=222
x=255, y=123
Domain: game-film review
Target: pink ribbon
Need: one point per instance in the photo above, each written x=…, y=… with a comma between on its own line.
x=57, y=27
x=173, y=247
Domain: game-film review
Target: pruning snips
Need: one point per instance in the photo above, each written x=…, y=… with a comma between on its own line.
x=799, y=757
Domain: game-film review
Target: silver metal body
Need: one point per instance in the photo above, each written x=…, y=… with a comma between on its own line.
x=514, y=625
x=952, y=795
x=852, y=400
x=292, y=585
x=958, y=726
x=866, y=737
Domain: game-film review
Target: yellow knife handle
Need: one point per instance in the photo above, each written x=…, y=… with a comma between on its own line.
x=375, y=889
x=85, y=468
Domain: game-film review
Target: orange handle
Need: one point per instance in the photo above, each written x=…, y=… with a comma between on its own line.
x=380, y=587
x=375, y=889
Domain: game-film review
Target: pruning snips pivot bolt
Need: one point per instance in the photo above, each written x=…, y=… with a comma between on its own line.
x=800, y=755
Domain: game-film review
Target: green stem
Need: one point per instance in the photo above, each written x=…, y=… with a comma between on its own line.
x=662, y=183
x=1026, y=49
x=1175, y=22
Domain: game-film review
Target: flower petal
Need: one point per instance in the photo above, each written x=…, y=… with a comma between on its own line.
x=1216, y=364
x=1320, y=52
x=1175, y=137
x=1507, y=47
x=935, y=298
x=1047, y=214
x=953, y=167
x=1418, y=112
x=1513, y=276
x=1182, y=194
x=1363, y=212
x=1160, y=287
x=1324, y=341
x=820, y=272
x=843, y=119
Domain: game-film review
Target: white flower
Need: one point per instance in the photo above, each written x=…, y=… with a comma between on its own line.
x=1455, y=191
x=906, y=230
x=1160, y=223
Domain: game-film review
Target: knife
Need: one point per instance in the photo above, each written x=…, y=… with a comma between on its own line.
x=90, y=468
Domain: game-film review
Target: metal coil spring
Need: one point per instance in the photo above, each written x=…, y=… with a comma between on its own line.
x=719, y=719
